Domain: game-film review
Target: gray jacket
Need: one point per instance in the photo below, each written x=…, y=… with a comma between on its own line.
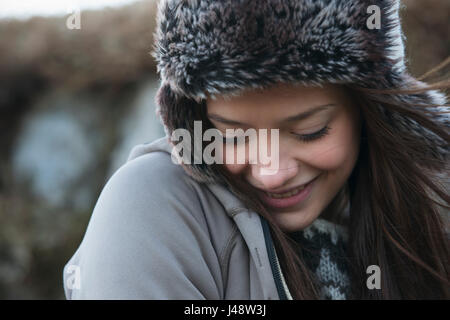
x=156, y=233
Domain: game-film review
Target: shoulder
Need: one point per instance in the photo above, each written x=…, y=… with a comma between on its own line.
x=148, y=236
x=150, y=189
x=159, y=193
x=152, y=170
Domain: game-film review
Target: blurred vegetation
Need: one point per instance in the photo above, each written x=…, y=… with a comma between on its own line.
x=426, y=25
x=109, y=55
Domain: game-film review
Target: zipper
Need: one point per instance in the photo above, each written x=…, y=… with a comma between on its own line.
x=276, y=270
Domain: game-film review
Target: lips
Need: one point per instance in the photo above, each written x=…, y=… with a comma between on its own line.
x=288, y=198
x=286, y=194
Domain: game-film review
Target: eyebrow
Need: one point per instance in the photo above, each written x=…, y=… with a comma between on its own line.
x=296, y=117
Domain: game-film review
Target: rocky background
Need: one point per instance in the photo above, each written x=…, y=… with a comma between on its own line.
x=72, y=105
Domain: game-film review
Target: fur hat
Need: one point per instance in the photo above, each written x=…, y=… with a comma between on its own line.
x=209, y=47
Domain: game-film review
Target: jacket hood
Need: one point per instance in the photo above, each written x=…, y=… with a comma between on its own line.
x=207, y=47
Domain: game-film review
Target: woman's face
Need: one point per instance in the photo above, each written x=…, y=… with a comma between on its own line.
x=318, y=146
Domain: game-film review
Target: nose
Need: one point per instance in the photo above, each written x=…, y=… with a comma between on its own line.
x=288, y=169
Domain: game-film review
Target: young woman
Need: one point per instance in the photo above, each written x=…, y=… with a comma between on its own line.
x=356, y=207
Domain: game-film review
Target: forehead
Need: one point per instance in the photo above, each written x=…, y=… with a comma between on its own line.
x=270, y=100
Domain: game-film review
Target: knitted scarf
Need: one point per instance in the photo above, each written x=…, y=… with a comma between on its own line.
x=323, y=247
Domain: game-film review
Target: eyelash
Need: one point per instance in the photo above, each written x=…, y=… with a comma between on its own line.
x=303, y=137
x=313, y=136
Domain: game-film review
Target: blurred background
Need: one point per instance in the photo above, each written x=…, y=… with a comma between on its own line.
x=75, y=97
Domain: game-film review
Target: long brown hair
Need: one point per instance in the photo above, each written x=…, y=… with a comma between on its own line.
x=397, y=195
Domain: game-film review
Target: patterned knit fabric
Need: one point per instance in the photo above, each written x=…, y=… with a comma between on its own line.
x=324, y=246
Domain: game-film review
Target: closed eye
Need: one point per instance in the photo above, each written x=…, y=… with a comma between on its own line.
x=312, y=136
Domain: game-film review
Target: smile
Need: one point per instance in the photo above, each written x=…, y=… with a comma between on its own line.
x=287, y=194
x=288, y=198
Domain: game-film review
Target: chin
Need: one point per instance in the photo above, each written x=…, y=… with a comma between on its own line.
x=294, y=221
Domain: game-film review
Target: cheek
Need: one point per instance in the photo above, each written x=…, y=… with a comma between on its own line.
x=338, y=151
x=231, y=163
x=235, y=168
